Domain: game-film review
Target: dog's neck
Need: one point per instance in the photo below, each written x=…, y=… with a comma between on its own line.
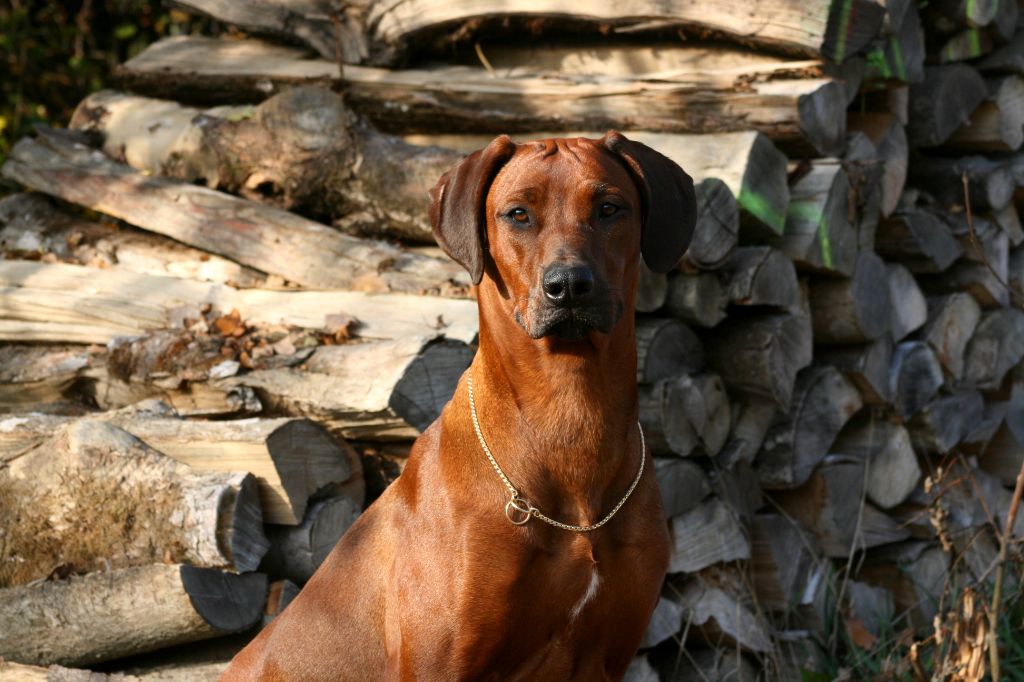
x=561, y=422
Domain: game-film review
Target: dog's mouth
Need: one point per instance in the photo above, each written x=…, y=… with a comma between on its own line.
x=569, y=324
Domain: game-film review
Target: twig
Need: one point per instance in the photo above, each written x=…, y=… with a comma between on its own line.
x=483, y=59
x=338, y=51
x=997, y=592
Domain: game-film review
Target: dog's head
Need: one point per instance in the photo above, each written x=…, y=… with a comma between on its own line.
x=559, y=226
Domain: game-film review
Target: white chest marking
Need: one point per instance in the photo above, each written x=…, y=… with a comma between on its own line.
x=595, y=583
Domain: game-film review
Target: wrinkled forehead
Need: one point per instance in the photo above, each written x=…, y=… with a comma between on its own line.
x=562, y=165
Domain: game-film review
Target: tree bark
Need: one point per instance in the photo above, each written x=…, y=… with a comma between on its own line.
x=102, y=616
x=262, y=237
x=70, y=303
x=59, y=514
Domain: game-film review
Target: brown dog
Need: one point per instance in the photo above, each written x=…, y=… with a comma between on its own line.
x=436, y=581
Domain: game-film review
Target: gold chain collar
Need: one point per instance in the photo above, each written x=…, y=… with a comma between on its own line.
x=518, y=509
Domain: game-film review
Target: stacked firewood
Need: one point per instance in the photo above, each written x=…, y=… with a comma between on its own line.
x=208, y=373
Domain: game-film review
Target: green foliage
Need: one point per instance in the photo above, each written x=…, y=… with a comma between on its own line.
x=55, y=53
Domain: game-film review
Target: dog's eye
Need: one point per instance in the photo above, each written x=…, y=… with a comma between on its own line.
x=607, y=209
x=519, y=215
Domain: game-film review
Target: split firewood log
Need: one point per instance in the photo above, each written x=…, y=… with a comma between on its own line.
x=297, y=551
x=823, y=401
x=892, y=467
x=708, y=534
x=666, y=347
x=761, y=276
x=918, y=240
x=998, y=124
x=915, y=377
x=853, y=310
x=866, y=365
x=890, y=139
x=942, y=102
x=696, y=298
x=818, y=234
x=909, y=306
x=944, y=422
x=951, y=323
x=830, y=505
x=782, y=558
x=718, y=226
x=683, y=484
x=719, y=608
x=995, y=347
x=684, y=413
x=915, y=573
x=761, y=355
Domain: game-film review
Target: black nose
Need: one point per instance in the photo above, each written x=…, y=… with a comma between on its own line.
x=566, y=285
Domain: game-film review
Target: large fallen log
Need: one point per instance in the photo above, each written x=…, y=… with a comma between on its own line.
x=262, y=237
x=692, y=90
x=113, y=614
x=380, y=34
x=388, y=389
x=94, y=495
x=70, y=303
x=290, y=458
x=302, y=150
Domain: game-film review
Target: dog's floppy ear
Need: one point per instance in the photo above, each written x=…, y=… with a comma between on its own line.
x=457, y=204
x=670, y=203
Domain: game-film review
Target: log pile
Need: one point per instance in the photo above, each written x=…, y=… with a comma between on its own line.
x=222, y=315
